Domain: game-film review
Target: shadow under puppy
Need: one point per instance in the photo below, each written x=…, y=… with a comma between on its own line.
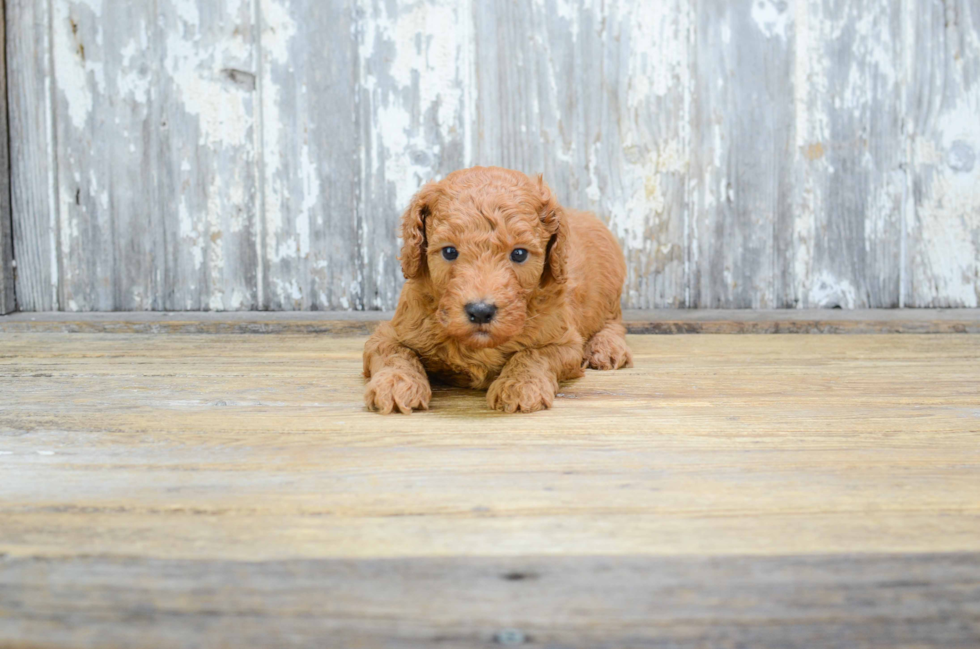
x=506, y=291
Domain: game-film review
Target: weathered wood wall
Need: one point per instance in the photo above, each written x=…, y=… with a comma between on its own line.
x=7, y=300
x=256, y=154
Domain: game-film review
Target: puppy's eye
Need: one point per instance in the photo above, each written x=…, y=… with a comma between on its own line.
x=449, y=253
x=519, y=256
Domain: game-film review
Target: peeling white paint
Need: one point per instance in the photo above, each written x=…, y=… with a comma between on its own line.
x=311, y=198
x=568, y=11
x=426, y=46
x=278, y=30
x=592, y=191
x=658, y=58
x=623, y=150
x=187, y=12
x=659, y=63
x=131, y=80
x=75, y=71
x=190, y=234
x=829, y=291
x=220, y=203
x=645, y=204
x=946, y=256
x=772, y=17
x=198, y=69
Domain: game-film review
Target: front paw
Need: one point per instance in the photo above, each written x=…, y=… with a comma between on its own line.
x=392, y=388
x=522, y=393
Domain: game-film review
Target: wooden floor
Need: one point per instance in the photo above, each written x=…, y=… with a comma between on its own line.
x=730, y=491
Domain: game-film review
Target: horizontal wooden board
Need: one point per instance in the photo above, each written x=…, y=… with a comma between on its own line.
x=215, y=490
x=663, y=321
x=853, y=601
x=259, y=447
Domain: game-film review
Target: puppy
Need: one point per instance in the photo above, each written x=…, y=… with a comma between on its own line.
x=506, y=292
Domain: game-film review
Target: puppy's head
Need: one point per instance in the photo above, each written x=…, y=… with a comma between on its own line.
x=484, y=240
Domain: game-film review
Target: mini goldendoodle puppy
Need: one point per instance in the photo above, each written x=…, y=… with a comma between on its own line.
x=507, y=291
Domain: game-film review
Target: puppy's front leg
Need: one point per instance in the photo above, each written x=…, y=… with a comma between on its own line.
x=529, y=380
x=397, y=377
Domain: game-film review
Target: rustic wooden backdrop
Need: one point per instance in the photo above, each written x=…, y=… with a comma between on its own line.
x=256, y=154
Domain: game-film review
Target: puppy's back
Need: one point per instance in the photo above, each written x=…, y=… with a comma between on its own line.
x=597, y=270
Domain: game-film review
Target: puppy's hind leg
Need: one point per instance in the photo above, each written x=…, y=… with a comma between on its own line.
x=607, y=350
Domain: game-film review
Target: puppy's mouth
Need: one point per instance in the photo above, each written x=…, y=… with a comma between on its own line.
x=482, y=337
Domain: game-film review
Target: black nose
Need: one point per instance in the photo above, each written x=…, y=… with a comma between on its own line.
x=480, y=312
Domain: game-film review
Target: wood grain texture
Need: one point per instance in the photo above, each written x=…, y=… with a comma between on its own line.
x=765, y=491
x=207, y=115
x=33, y=168
x=415, y=120
x=883, y=601
x=597, y=97
x=742, y=167
x=944, y=120
x=259, y=448
x=310, y=148
x=256, y=154
x=8, y=302
x=840, y=242
x=662, y=321
x=102, y=188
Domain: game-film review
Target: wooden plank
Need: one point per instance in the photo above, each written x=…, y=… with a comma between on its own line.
x=32, y=165
x=208, y=159
x=161, y=213
x=840, y=244
x=102, y=181
x=854, y=601
x=663, y=321
x=598, y=99
x=414, y=121
x=943, y=105
x=761, y=491
x=742, y=149
x=255, y=448
x=7, y=299
x=310, y=151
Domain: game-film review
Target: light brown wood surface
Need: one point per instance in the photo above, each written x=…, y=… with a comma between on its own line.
x=218, y=490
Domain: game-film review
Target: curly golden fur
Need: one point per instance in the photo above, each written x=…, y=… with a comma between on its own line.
x=556, y=312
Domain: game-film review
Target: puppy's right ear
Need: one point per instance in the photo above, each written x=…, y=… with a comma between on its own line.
x=556, y=223
x=413, y=231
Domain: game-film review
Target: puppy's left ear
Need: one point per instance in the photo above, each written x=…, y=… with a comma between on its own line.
x=414, y=240
x=555, y=221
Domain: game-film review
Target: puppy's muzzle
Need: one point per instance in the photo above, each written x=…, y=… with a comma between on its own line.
x=480, y=313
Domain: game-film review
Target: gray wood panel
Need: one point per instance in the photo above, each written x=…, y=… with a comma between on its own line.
x=416, y=105
x=156, y=163
x=944, y=118
x=839, y=242
x=204, y=128
x=102, y=163
x=257, y=154
x=597, y=98
x=892, y=601
x=309, y=248
x=742, y=158
x=33, y=169
x=7, y=300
